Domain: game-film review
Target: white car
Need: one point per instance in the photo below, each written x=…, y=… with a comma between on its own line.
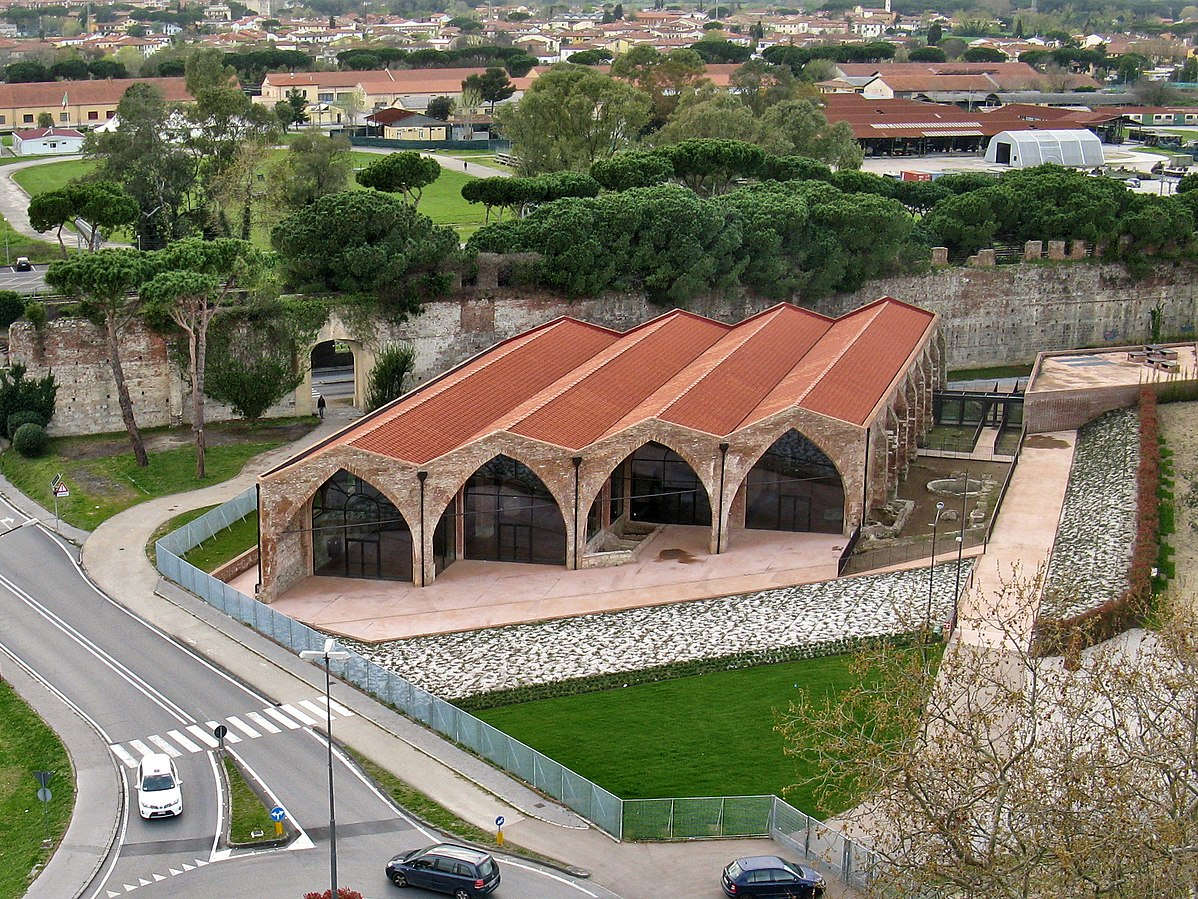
x=158, y=787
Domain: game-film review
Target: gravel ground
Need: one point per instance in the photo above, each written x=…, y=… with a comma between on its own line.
x=455, y=666
x=1098, y=520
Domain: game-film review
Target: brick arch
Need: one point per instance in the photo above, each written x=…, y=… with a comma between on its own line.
x=599, y=467
x=749, y=449
x=317, y=472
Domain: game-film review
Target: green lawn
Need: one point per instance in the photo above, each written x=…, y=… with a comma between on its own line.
x=708, y=735
x=26, y=745
x=104, y=479
x=218, y=549
x=997, y=371
x=247, y=813
x=38, y=179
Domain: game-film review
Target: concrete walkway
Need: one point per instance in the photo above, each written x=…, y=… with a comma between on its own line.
x=113, y=556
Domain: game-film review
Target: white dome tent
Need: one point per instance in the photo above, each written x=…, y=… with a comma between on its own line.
x=1020, y=149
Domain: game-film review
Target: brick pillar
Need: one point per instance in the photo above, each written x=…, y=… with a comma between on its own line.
x=1077, y=249
x=939, y=255
x=984, y=258
x=1056, y=249
x=1033, y=250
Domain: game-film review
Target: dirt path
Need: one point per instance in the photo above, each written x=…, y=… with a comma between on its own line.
x=1179, y=427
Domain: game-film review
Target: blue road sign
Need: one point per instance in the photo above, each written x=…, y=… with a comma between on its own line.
x=499, y=821
x=278, y=813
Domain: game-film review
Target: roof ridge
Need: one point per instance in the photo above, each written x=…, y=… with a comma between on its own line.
x=575, y=375
x=876, y=306
x=776, y=310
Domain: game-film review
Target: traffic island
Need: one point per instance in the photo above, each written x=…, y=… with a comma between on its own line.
x=249, y=822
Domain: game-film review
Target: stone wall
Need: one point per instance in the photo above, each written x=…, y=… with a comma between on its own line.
x=74, y=351
x=988, y=316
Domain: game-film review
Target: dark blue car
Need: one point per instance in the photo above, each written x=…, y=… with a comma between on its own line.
x=461, y=872
x=768, y=875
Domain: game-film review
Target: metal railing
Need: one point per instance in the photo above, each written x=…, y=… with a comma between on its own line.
x=624, y=819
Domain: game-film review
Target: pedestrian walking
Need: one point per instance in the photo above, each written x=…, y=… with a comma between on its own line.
x=320, y=405
x=465, y=165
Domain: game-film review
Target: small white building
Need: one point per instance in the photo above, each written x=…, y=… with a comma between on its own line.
x=47, y=142
x=1021, y=149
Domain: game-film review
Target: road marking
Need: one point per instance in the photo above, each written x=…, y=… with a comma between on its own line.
x=128, y=889
x=165, y=746
x=298, y=715
x=281, y=718
x=158, y=877
x=174, y=873
x=202, y=735
x=141, y=747
x=338, y=708
x=182, y=741
x=142, y=882
x=229, y=737
x=243, y=727
x=544, y=873
x=120, y=753
x=263, y=723
x=313, y=708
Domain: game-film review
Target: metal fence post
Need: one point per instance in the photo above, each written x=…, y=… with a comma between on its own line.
x=670, y=825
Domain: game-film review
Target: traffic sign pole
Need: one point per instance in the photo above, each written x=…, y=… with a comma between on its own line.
x=499, y=830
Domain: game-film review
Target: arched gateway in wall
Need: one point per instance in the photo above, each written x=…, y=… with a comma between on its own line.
x=794, y=486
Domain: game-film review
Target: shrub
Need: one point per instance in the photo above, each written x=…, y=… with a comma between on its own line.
x=21, y=394
x=26, y=416
x=391, y=366
x=12, y=307
x=30, y=440
x=36, y=313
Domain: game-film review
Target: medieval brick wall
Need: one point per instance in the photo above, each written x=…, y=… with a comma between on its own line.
x=988, y=316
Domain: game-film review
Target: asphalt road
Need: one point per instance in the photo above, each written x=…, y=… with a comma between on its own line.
x=23, y=282
x=146, y=692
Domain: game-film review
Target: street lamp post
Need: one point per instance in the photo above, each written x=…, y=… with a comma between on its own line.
x=329, y=654
x=960, y=546
x=927, y=623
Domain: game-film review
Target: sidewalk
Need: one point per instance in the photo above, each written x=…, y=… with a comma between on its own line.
x=14, y=201
x=113, y=556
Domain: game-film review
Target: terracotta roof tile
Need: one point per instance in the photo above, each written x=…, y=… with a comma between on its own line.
x=569, y=383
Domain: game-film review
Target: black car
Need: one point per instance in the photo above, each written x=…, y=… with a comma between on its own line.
x=768, y=875
x=445, y=868
x=23, y=264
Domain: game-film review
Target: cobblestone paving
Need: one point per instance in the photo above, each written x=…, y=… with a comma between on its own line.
x=455, y=666
x=1098, y=519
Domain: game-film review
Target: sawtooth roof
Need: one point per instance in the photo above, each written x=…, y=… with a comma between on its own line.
x=570, y=383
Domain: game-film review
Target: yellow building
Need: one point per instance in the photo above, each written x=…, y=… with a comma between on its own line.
x=74, y=104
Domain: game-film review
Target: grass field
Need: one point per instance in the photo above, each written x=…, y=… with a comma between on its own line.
x=38, y=179
x=219, y=548
x=709, y=735
x=247, y=813
x=442, y=200
x=104, y=479
x=26, y=745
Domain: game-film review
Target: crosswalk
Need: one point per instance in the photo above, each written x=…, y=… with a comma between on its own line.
x=158, y=878
x=192, y=738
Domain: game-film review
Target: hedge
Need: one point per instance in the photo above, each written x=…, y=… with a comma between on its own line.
x=1070, y=635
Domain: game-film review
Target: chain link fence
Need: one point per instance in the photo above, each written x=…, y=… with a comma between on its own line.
x=624, y=819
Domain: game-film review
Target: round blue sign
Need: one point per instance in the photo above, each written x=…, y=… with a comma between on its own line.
x=278, y=814
x=499, y=821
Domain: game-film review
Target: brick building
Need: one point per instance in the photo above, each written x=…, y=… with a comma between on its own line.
x=570, y=443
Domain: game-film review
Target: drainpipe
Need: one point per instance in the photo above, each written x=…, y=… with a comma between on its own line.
x=865, y=480
x=420, y=476
x=719, y=522
x=258, y=501
x=577, y=460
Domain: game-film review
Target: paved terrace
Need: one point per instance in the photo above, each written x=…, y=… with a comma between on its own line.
x=673, y=566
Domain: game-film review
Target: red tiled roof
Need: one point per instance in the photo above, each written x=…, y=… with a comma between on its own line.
x=105, y=90
x=569, y=383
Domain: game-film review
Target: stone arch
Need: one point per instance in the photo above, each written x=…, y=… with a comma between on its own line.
x=357, y=531
x=507, y=512
x=335, y=329
x=794, y=506
x=601, y=461
x=838, y=441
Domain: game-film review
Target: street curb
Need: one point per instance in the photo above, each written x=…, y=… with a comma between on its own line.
x=35, y=692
